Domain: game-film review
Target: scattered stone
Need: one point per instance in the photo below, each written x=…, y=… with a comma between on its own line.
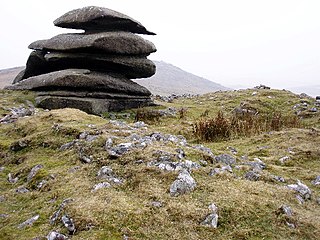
x=109, y=143
x=220, y=170
x=233, y=150
x=11, y=179
x=3, y=215
x=57, y=213
x=22, y=189
x=286, y=210
x=257, y=165
x=28, y=222
x=156, y=204
x=101, y=185
x=183, y=184
x=203, y=162
x=180, y=154
x=205, y=150
x=252, y=176
x=212, y=219
x=139, y=124
x=34, y=172
x=56, y=236
x=16, y=113
x=68, y=223
x=261, y=86
x=41, y=184
x=2, y=169
x=2, y=199
x=278, y=178
x=120, y=149
x=225, y=158
x=303, y=191
x=316, y=181
x=19, y=145
x=67, y=145
x=284, y=159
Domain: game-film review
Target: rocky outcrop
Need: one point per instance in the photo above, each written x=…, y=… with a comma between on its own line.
x=90, y=71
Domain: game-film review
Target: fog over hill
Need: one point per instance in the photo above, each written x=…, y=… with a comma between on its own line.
x=170, y=79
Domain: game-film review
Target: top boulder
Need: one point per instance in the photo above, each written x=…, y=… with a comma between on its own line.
x=100, y=19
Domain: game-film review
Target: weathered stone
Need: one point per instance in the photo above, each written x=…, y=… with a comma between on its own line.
x=11, y=179
x=252, y=176
x=316, y=181
x=220, y=170
x=123, y=43
x=77, y=79
x=33, y=172
x=28, y=222
x=257, y=165
x=120, y=149
x=212, y=219
x=226, y=159
x=183, y=184
x=102, y=19
x=56, y=236
x=101, y=185
x=22, y=189
x=36, y=65
x=128, y=66
x=303, y=191
x=68, y=223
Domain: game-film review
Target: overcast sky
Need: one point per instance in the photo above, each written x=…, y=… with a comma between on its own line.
x=232, y=42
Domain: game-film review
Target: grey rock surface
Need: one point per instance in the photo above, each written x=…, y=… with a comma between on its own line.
x=123, y=43
x=226, y=159
x=211, y=220
x=183, y=184
x=94, y=18
x=56, y=236
x=29, y=222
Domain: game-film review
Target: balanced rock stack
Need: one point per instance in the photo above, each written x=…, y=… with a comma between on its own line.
x=90, y=71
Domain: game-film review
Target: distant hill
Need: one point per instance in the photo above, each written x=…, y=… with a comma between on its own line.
x=313, y=90
x=170, y=79
x=7, y=76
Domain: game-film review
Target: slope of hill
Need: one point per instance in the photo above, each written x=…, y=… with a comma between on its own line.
x=92, y=177
x=7, y=76
x=170, y=79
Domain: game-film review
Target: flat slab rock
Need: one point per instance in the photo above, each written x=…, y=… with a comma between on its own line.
x=124, y=43
x=81, y=79
x=91, y=105
x=97, y=18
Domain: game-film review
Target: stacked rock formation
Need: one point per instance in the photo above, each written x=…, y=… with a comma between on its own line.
x=90, y=71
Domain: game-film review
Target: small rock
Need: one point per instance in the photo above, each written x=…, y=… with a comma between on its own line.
x=286, y=210
x=212, y=219
x=22, y=189
x=91, y=138
x=180, y=154
x=139, y=124
x=41, y=184
x=101, y=185
x=303, y=191
x=19, y=145
x=33, y=172
x=11, y=179
x=56, y=214
x=28, y=222
x=220, y=170
x=226, y=159
x=105, y=172
x=284, y=159
x=183, y=184
x=3, y=215
x=2, y=199
x=257, y=165
x=278, y=178
x=316, y=181
x=156, y=204
x=120, y=149
x=233, y=150
x=109, y=143
x=2, y=168
x=67, y=145
x=84, y=158
x=203, y=162
x=56, y=236
x=252, y=176
x=68, y=223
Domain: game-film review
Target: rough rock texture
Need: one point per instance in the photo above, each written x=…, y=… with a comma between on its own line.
x=109, y=49
x=108, y=42
x=183, y=184
x=97, y=18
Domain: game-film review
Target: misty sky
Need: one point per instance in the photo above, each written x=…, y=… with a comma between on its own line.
x=232, y=42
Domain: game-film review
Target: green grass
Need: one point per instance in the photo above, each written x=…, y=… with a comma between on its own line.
x=247, y=210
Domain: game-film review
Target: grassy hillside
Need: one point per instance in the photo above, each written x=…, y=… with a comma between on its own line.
x=54, y=159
